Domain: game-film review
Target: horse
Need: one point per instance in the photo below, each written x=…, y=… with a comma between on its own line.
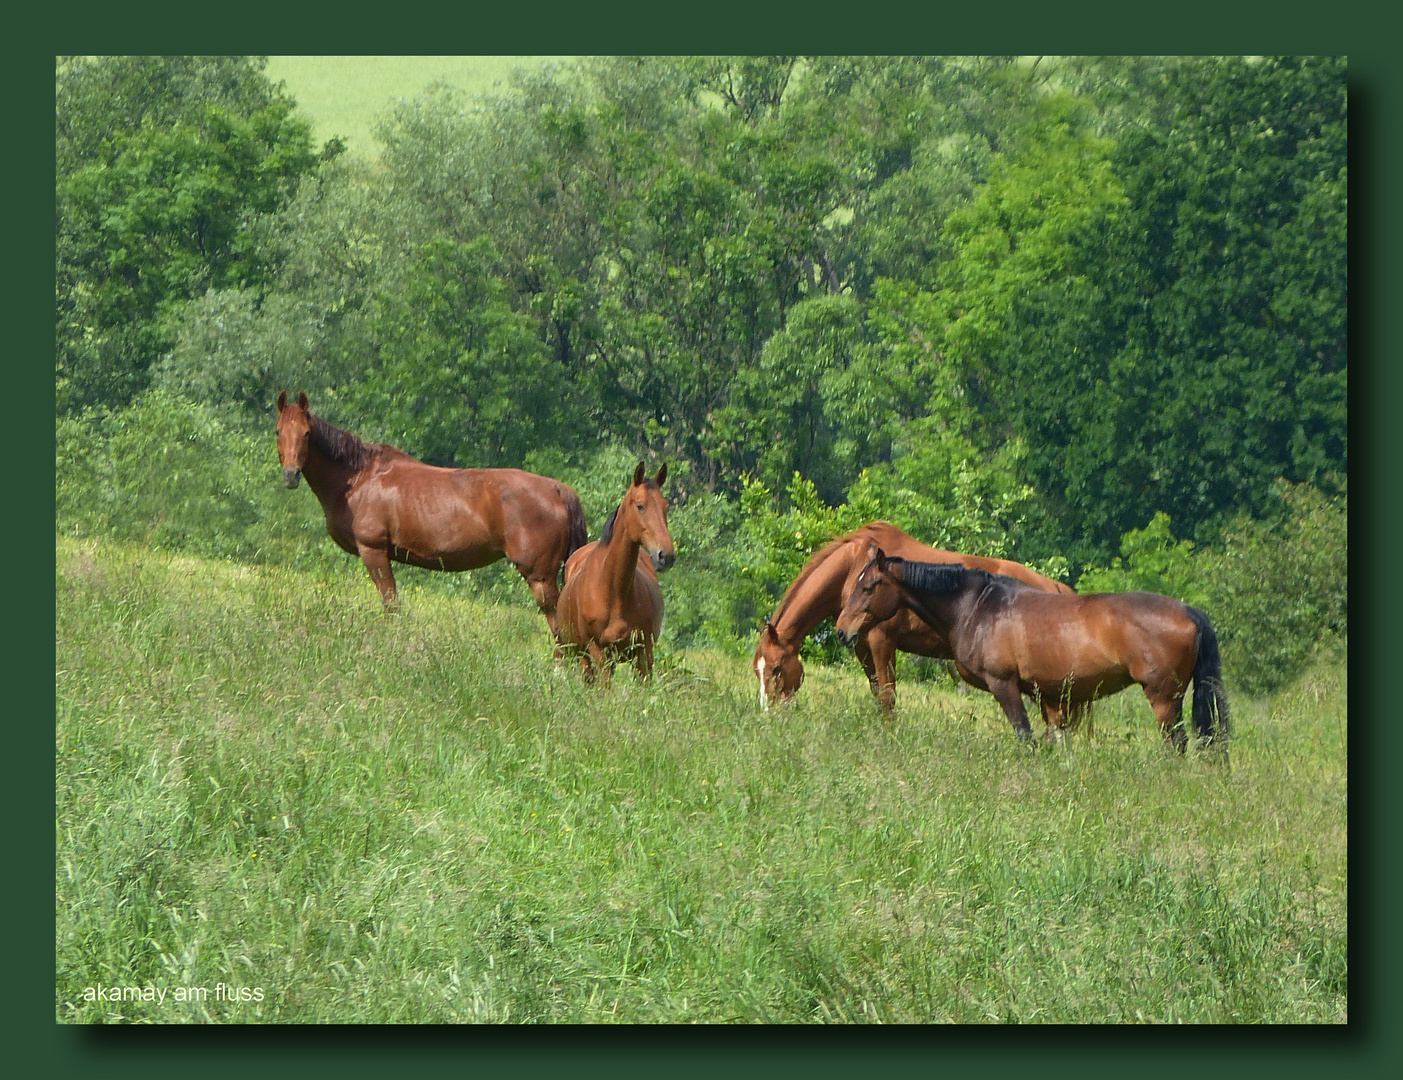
x=386, y=506
x=611, y=607
x=821, y=589
x=1064, y=651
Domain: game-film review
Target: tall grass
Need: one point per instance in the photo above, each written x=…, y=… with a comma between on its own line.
x=264, y=781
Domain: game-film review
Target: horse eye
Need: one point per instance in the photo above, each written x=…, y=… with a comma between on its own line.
x=640, y=506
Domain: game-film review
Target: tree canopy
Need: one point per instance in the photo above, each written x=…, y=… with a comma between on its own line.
x=1024, y=302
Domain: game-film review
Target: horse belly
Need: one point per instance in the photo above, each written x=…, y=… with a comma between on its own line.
x=1067, y=663
x=441, y=534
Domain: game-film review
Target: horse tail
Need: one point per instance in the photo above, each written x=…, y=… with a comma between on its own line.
x=1210, y=700
x=578, y=533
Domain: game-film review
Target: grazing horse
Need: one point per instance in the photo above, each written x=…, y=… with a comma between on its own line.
x=823, y=586
x=611, y=607
x=1012, y=640
x=386, y=506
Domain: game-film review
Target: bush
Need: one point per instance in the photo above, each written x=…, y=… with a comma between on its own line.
x=1152, y=560
x=1277, y=590
x=173, y=475
x=1280, y=593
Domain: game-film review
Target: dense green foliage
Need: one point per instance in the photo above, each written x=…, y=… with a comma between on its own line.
x=1278, y=589
x=1016, y=307
x=261, y=780
x=168, y=170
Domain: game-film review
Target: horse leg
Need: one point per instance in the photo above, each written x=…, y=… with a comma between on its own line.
x=876, y=654
x=377, y=564
x=547, y=594
x=884, y=660
x=604, y=673
x=1007, y=693
x=1054, y=717
x=1169, y=714
x=643, y=659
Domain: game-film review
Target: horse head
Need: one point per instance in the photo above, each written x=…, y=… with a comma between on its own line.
x=874, y=596
x=294, y=437
x=777, y=667
x=643, y=516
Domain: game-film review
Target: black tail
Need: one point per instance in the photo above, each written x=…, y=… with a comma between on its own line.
x=579, y=534
x=1210, y=700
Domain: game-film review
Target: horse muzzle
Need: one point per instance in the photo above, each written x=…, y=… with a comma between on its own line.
x=663, y=559
x=291, y=477
x=846, y=637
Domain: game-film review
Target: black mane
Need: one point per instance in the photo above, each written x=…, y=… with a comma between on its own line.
x=952, y=577
x=340, y=445
x=937, y=577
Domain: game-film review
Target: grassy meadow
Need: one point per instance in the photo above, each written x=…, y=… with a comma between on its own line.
x=345, y=95
x=264, y=781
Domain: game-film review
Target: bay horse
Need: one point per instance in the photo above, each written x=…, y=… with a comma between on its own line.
x=821, y=589
x=386, y=506
x=611, y=607
x=1012, y=640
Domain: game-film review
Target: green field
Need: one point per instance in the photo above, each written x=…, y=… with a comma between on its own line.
x=265, y=782
x=344, y=95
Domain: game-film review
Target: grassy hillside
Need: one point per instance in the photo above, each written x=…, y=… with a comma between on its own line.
x=265, y=782
x=343, y=95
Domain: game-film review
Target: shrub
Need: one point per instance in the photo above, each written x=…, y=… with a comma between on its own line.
x=173, y=475
x=1280, y=592
x=1152, y=560
x=1276, y=590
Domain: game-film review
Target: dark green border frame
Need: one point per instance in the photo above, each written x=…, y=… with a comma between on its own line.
x=1193, y=27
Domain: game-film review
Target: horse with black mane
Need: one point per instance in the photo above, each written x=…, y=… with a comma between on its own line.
x=386, y=506
x=1011, y=640
x=611, y=607
x=823, y=586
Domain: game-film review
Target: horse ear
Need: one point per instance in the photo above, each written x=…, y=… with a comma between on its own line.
x=638, y=475
x=662, y=475
x=881, y=558
x=302, y=399
x=770, y=632
x=282, y=401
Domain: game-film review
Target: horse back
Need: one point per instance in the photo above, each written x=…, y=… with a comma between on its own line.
x=1094, y=635
x=894, y=541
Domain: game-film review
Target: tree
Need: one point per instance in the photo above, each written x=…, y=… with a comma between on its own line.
x=159, y=197
x=463, y=379
x=1162, y=318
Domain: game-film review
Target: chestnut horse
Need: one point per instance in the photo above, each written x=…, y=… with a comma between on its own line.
x=385, y=506
x=611, y=607
x=1012, y=640
x=823, y=586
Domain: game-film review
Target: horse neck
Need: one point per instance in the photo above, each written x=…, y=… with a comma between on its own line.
x=327, y=478
x=948, y=613
x=819, y=596
x=621, y=558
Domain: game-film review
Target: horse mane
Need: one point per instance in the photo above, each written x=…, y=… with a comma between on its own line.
x=817, y=559
x=935, y=577
x=951, y=577
x=607, y=533
x=340, y=445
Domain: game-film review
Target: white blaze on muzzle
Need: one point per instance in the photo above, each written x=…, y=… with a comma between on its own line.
x=764, y=697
